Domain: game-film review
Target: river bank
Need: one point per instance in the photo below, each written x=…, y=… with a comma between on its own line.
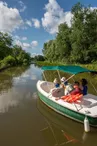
x=46, y=63
x=4, y=67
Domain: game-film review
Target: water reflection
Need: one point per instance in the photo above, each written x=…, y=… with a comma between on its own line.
x=61, y=130
x=17, y=85
x=7, y=100
x=6, y=77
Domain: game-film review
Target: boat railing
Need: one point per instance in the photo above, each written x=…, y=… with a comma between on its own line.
x=80, y=104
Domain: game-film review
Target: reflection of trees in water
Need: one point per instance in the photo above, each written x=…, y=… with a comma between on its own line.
x=7, y=76
x=91, y=78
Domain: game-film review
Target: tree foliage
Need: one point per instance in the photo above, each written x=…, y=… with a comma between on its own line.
x=5, y=45
x=9, y=60
x=11, y=55
x=78, y=43
x=38, y=58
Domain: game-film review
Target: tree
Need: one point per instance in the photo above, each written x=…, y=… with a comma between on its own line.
x=84, y=33
x=5, y=45
x=63, y=42
x=12, y=54
x=78, y=43
x=20, y=55
x=38, y=58
x=49, y=50
x=9, y=60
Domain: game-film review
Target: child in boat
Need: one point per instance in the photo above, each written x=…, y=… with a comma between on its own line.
x=67, y=86
x=83, y=86
x=77, y=89
x=56, y=83
x=63, y=81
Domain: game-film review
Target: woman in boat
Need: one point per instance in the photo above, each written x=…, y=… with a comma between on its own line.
x=83, y=86
x=67, y=86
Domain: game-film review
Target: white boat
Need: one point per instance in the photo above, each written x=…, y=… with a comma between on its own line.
x=86, y=106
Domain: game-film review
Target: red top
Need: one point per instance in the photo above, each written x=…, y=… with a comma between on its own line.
x=77, y=90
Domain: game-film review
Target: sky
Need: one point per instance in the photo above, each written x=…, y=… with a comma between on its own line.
x=31, y=23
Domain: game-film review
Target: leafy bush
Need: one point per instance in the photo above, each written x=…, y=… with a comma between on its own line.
x=25, y=62
x=9, y=60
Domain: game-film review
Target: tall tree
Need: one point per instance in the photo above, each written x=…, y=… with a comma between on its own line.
x=63, y=44
x=5, y=45
x=78, y=43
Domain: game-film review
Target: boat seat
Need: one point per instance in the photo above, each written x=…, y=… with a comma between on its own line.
x=92, y=105
x=47, y=86
x=88, y=101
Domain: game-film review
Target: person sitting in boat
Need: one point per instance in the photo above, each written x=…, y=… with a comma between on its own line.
x=68, y=87
x=83, y=86
x=74, y=95
x=77, y=89
x=63, y=81
x=56, y=83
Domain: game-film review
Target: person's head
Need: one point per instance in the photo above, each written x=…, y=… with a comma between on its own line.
x=63, y=80
x=84, y=82
x=76, y=84
x=55, y=81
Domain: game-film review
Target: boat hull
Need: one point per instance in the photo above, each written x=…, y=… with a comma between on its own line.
x=66, y=112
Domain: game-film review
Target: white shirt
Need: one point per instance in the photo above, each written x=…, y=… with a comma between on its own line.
x=68, y=88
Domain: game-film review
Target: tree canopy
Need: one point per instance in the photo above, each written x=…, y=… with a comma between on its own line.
x=12, y=54
x=78, y=43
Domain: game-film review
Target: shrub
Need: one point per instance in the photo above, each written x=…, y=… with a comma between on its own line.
x=25, y=62
x=9, y=60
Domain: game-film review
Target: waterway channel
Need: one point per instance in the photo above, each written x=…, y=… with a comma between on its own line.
x=26, y=121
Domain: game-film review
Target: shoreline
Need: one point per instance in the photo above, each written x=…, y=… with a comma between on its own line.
x=4, y=68
x=9, y=66
x=46, y=63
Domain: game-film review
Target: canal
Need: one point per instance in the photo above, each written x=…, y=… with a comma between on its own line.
x=26, y=121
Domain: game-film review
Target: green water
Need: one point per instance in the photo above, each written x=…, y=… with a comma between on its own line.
x=26, y=121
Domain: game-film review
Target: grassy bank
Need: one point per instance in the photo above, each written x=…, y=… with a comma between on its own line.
x=46, y=63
